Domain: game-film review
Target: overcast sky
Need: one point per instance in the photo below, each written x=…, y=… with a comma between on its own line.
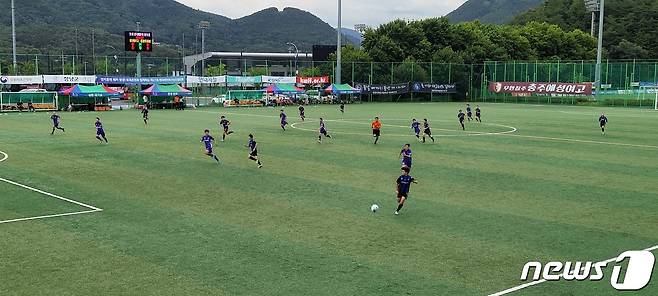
x=369, y=12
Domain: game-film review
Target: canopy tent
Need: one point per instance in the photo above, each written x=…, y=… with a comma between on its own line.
x=342, y=89
x=159, y=90
x=283, y=89
x=91, y=91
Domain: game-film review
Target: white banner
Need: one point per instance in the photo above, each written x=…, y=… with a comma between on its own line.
x=69, y=79
x=278, y=79
x=206, y=80
x=21, y=79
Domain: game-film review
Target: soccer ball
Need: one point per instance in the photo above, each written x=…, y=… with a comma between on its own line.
x=374, y=208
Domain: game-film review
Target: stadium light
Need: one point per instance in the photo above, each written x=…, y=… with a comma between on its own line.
x=593, y=7
x=338, y=46
x=296, y=55
x=13, y=32
x=599, y=51
x=203, y=25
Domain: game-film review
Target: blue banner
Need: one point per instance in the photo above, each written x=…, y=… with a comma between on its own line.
x=139, y=80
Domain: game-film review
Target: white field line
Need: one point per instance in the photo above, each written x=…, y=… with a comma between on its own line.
x=583, y=141
x=49, y=216
x=505, y=133
x=537, y=282
x=92, y=209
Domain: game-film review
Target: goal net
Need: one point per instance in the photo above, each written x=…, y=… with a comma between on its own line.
x=19, y=101
x=649, y=92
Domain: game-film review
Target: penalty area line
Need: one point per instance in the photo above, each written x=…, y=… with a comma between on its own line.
x=91, y=209
x=537, y=282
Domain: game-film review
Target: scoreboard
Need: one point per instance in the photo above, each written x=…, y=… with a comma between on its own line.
x=139, y=41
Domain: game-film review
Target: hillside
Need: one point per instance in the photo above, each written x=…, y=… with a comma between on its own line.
x=629, y=31
x=491, y=11
x=50, y=26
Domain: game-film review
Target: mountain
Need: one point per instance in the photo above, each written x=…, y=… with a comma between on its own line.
x=52, y=26
x=491, y=11
x=629, y=27
x=352, y=36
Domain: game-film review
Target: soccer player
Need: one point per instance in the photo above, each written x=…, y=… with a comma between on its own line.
x=225, y=125
x=426, y=130
x=208, y=140
x=405, y=153
x=323, y=131
x=478, y=114
x=469, y=112
x=415, y=125
x=100, y=132
x=376, y=129
x=145, y=114
x=253, y=150
x=402, y=189
x=342, y=108
x=30, y=107
x=461, y=119
x=602, y=122
x=284, y=121
x=56, y=119
x=301, y=112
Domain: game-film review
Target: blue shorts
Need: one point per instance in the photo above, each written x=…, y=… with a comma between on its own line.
x=406, y=162
x=100, y=132
x=209, y=150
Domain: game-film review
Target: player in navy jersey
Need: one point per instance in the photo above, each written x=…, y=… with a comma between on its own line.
x=253, y=150
x=225, y=126
x=403, y=183
x=284, y=120
x=602, y=122
x=100, y=132
x=461, y=119
x=56, y=121
x=342, y=108
x=208, y=141
x=301, y=112
x=426, y=130
x=478, y=113
x=469, y=112
x=145, y=114
x=322, y=131
x=405, y=154
x=415, y=125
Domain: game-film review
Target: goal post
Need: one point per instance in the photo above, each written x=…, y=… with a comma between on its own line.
x=41, y=101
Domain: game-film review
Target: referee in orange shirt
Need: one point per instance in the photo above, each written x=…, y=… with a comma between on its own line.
x=376, y=129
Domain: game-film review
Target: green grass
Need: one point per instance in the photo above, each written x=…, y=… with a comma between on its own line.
x=175, y=223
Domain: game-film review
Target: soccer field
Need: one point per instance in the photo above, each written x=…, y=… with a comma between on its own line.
x=149, y=214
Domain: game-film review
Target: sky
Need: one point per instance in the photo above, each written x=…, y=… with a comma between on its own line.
x=369, y=12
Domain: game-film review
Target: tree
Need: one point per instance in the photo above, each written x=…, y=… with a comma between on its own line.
x=257, y=71
x=217, y=70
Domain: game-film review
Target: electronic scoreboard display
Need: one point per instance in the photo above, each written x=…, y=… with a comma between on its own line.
x=139, y=41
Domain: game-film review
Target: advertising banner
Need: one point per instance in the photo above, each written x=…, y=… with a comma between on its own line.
x=139, y=80
x=278, y=79
x=69, y=79
x=434, y=88
x=21, y=79
x=383, y=89
x=243, y=79
x=206, y=80
x=541, y=88
x=313, y=80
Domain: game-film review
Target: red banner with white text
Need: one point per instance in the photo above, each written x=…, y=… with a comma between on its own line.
x=313, y=80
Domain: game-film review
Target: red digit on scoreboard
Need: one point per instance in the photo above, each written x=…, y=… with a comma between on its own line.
x=132, y=45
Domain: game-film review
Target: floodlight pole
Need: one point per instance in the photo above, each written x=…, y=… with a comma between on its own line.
x=338, y=46
x=599, y=52
x=296, y=55
x=13, y=32
x=203, y=25
x=138, y=60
